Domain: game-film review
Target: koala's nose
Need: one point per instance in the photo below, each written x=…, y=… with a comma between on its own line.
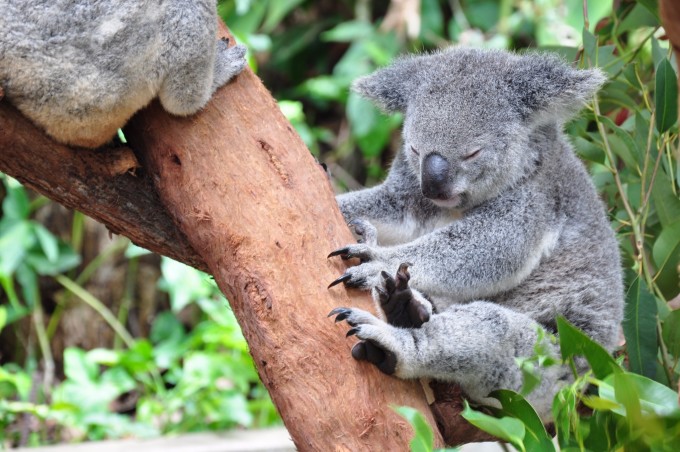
x=435, y=176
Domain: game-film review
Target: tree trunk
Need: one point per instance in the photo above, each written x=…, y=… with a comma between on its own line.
x=256, y=211
x=260, y=211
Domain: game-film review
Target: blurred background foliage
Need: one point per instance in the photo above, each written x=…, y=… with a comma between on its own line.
x=99, y=339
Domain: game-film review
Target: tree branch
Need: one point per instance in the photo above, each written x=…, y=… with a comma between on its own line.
x=105, y=184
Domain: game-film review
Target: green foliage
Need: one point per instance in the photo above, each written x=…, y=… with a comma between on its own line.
x=182, y=380
x=423, y=437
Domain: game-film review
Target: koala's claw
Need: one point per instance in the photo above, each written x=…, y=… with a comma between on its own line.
x=342, y=252
x=342, y=314
x=398, y=302
x=352, y=332
x=344, y=278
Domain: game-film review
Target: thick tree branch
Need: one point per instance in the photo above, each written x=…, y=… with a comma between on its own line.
x=105, y=184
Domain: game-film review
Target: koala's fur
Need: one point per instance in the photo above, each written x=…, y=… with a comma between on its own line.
x=498, y=218
x=81, y=68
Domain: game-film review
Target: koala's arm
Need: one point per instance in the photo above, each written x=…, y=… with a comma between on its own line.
x=387, y=205
x=490, y=250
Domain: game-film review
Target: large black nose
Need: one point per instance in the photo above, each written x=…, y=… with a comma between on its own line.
x=435, y=176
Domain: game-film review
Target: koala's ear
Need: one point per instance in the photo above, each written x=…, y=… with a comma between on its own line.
x=550, y=89
x=391, y=87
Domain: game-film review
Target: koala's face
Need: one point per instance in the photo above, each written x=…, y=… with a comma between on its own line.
x=470, y=114
x=463, y=142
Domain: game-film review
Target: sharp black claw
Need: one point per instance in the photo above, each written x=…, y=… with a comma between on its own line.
x=343, y=278
x=385, y=275
x=339, y=252
x=337, y=311
x=352, y=332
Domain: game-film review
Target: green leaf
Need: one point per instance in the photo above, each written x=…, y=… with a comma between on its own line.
x=276, y=12
x=666, y=202
x=48, y=242
x=66, y=260
x=536, y=437
x=623, y=144
x=423, y=441
x=16, y=205
x=348, y=31
x=652, y=6
x=666, y=254
x=666, y=96
x=3, y=317
x=598, y=403
x=590, y=47
x=641, y=394
x=575, y=342
x=639, y=328
x=77, y=367
x=671, y=333
x=506, y=428
x=13, y=245
x=639, y=17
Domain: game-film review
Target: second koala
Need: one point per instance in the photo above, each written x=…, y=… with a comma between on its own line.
x=498, y=220
x=81, y=69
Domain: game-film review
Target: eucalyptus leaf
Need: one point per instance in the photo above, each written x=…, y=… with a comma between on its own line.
x=574, y=342
x=666, y=96
x=639, y=328
x=505, y=428
x=423, y=440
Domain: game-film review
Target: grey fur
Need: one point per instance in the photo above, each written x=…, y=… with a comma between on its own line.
x=82, y=68
x=515, y=235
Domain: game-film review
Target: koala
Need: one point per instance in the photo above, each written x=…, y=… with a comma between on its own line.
x=80, y=69
x=489, y=220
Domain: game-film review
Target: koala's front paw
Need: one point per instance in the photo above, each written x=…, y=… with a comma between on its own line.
x=366, y=275
x=367, y=327
x=229, y=61
x=399, y=302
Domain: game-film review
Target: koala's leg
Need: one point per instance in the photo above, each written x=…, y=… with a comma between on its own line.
x=474, y=345
x=229, y=62
x=188, y=87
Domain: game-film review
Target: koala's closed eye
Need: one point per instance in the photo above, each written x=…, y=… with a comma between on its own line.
x=472, y=154
x=415, y=151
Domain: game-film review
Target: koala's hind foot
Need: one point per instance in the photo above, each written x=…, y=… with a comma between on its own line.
x=229, y=62
x=403, y=307
x=368, y=350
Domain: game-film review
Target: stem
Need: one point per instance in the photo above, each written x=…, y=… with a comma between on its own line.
x=45, y=350
x=98, y=306
x=617, y=179
x=117, y=246
x=128, y=296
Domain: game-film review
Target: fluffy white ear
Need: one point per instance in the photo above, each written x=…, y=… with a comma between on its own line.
x=391, y=87
x=550, y=89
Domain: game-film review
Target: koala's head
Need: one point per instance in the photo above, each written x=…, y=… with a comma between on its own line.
x=469, y=115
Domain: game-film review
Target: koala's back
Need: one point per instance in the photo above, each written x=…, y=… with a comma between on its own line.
x=82, y=68
x=580, y=278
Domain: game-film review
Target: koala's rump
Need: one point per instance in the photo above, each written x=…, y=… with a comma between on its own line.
x=81, y=71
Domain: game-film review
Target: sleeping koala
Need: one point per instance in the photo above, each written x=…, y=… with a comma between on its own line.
x=81, y=69
x=489, y=219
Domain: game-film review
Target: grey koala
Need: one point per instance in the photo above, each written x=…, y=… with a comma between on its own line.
x=81, y=68
x=494, y=214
